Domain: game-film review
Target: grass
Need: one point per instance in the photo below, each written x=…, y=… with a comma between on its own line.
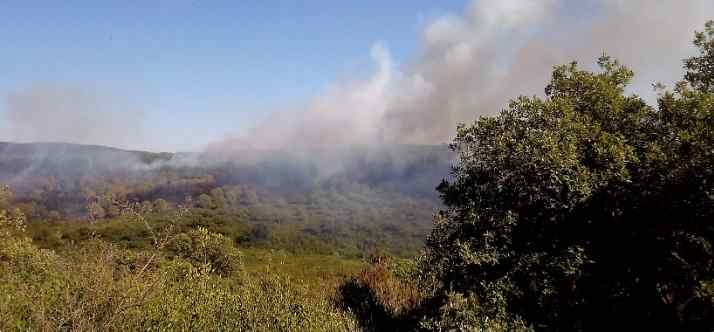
x=316, y=272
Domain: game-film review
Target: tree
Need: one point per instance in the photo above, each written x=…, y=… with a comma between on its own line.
x=233, y=194
x=161, y=205
x=95, y=211
x=219, y=197
x=585, y=210
x=260, y=232
x=6, y=196
x=206, y=249
x=205, y=202
x=700, y=68
x=147, y=207
x=249, y=197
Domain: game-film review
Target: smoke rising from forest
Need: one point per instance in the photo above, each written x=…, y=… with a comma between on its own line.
x=468, y=64
x=471, y=64
x=70, y=114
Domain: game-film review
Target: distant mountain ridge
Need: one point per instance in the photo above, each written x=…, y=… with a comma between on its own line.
x=18, y=160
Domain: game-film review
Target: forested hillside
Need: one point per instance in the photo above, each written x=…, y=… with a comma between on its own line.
x=354, y=199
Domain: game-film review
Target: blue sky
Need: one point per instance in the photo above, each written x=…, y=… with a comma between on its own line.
x=200, y=69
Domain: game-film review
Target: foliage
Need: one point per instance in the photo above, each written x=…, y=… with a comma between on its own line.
x=202, y=302
x=208, y=250
x=699, y=68
x=380, y=298
x=99, y=286
x=308, y=236
x=349, y=219
x=584, y=205
x=584, y=210
x=381, y=198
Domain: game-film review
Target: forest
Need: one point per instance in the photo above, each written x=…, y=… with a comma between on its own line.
x=585, y=209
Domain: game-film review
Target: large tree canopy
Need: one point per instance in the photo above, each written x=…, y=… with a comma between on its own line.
x=587, y=209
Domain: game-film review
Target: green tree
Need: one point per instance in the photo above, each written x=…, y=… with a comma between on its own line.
x=206, y=249
x=700, y=68
x=233, y=194
x=147, y=207
x=5, y=196
x=219, y=198
x=205, y=202
x=161, y=205
x=585, y=210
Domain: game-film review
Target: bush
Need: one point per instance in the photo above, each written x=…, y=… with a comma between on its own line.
x=100, y=286
x=212, y=250
x=201, y=301
x=380, y=299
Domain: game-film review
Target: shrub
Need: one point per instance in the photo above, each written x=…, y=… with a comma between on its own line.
x=102, y=287
x=97, y=286
x=204, y=248
x=381, y=300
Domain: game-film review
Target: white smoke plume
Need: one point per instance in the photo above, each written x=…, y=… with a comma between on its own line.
x=471, y=64
x=56, y=113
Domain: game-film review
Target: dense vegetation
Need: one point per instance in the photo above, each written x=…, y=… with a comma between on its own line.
x=187, y=281
x=587, y=210
x=360, y=199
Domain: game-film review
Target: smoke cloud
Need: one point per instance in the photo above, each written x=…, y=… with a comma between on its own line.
x=54, y=113
x=469, y=64
x=473, y=63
